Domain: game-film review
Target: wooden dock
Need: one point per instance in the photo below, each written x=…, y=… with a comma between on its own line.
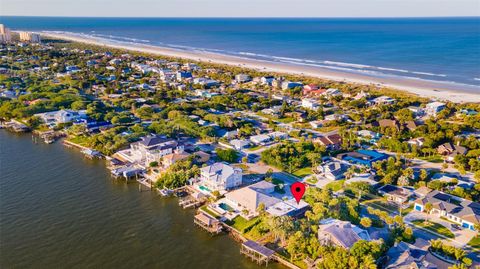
x=208, y=223
x=257, y=252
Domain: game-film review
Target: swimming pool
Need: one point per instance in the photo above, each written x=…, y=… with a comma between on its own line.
x=203, y=188
x=226, y=207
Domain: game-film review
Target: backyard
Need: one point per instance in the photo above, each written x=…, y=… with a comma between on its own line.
x=303, y=172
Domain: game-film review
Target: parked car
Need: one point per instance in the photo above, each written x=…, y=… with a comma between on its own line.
x=455, y=226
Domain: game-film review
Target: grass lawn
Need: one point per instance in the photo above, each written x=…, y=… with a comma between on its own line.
x=286, y=120
x=312, y=180
x=381, y=204
x=434, y=227
x=241, y=224
x=254, y=148
x=80, y=140
x=335, y=185
x=475, y=242
x=408, y=210
x=209, y=212
x=433, y=159
x=303, y=172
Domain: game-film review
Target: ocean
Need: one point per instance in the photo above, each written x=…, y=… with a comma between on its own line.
x=432, y=49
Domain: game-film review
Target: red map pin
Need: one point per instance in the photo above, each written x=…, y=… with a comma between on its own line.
x=297, y=189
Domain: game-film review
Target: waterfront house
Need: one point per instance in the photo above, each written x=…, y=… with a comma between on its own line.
x=251, y=197
x=461, y=211
x=334, y=232
x=220, y=177
x=53, y=118
x=149, y=149
x=170, y=159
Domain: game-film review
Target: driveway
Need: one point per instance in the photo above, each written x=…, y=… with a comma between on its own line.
x=462, y=236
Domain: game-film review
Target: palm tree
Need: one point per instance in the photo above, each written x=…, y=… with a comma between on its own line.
x=428, y=208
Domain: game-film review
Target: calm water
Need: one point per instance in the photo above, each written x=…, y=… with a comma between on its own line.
x=440, y=49
x=60, y=210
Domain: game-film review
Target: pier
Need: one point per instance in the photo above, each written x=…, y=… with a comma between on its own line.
x=210, y=224
x=257, y=252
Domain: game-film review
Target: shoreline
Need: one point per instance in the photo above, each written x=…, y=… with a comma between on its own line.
x=423, y=88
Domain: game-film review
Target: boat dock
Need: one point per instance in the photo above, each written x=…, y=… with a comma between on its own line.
x=16, y=126
x=257, y=252
x=208, y=223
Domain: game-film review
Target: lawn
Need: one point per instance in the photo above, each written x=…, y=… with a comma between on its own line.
x=335, y=185
x=209, y=212
x=433, y=159
x=254, y=148
x=312, y=180
x=243, y=225
x=475, y=242
x=381, y=204
x=79, y=140
x=303, y=172
x=434, y=227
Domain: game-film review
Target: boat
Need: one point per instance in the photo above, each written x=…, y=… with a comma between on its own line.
x=165, y=192
x=49, y=140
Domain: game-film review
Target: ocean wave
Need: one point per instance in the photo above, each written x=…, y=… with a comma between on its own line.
x=429, y=74
x=121, y=38
x=368, y=70
x=393, y=69
x=348, y=64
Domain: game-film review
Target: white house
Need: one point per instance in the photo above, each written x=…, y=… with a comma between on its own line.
x=461, y=211
x=242, y=78
x=340, y=233
x=332, y=92
x=290, y=85
x=383, y=100
x=239, y=144
x=220, y=177
x=53, y=118
x=149, y=149
x=310, y=103
x=263, y=193
x=433, y=108
x=260, y=139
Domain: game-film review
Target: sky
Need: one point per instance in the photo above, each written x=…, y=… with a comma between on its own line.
x=240, y=8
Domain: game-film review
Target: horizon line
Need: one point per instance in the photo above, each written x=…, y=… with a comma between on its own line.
x=242, y=17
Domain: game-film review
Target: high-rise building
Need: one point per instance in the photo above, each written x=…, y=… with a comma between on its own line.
x=5, y=34
x=30, y=37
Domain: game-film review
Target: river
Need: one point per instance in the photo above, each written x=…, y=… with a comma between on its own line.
x=61, y=210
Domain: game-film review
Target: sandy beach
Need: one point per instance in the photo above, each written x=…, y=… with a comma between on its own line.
x=431, y=89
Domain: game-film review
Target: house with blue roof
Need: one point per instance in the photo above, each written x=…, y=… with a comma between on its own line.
x=363, y=157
